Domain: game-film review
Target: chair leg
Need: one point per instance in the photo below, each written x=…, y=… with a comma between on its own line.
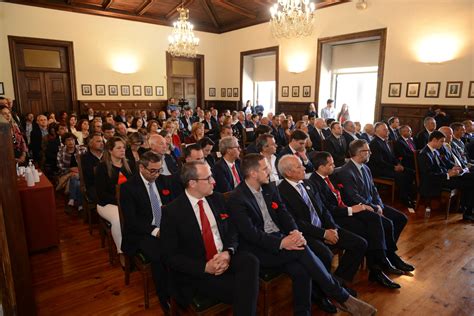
x=448, y=206
x=127, y=269
x=145, y=289
x=102, y=236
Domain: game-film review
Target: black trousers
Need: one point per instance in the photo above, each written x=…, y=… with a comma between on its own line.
x=238, y=285
x=404, y=181
x=466, y=184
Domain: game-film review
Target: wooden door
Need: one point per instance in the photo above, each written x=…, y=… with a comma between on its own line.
x=32, y=92
x=177, y=88
x=190, y=91
x=58, y=92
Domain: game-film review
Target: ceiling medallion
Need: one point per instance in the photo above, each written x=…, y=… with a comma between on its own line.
x=292, y=18
x=182, y=42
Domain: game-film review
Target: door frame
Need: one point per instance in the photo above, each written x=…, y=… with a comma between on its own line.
x=382, y=34
x=13, y=41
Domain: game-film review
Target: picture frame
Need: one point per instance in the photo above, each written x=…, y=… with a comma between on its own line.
x=86, y=89
x=113, y=90
x=100, y=89
x=229, y=92
x=471, y=90
x=285, y=91
x=137, y=90
x=125, y=90
x=160, y=91
x=235, y=92
x=413, y=90
x=223, y=93
x=306, y=91
x=395, y=90
x=148, y=91
x=2, y=89
x=432, y=89
x=212, y=92
x=453, y=89
x=295, y=91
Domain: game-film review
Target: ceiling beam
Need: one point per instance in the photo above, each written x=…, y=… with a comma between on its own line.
x=144, y=7
x=174, y=11
x=209, y=8
x=236, y=9
x=106, y=4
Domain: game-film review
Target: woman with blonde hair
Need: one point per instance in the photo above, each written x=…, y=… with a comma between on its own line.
x=197, y=133
x=172, y=126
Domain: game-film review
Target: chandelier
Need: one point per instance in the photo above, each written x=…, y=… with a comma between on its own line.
x=182, y=42
x=292, y=18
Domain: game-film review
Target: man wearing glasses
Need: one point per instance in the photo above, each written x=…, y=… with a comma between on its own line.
x=141, y=200
x=227, y=169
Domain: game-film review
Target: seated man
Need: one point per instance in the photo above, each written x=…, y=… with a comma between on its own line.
x=317, y=225
x=349, y=132
x=358, y=218
x=421, y=138
x=358, y=187
x=207, y=144
x=318, y=133
x=368, y=133
x=201, y=247
x=141, y=199
x=227, y=169
x=458, y=146
x=297, y=146
x=89, y=161
x=383, y=163
x=336, y=144
x=158, y=146
x=267, y=230
x=393, y=128
x=405, y=148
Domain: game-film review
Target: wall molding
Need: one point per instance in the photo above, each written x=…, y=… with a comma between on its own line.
x=128, y=105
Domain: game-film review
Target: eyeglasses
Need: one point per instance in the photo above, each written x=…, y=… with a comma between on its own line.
x=154, y=171
x=366, y=150
x=208, y=179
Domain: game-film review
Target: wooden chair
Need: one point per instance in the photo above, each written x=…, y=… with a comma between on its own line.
x=90, y=207
x=388, y=182
x=446, y=193
x=275, y=292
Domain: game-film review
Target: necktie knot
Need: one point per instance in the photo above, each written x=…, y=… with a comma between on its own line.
x=200, y=203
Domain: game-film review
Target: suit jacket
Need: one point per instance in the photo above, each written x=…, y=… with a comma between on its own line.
x=301, y=212
x=366, y=137
x=287, y=151
x=421, y=139
x=88, y=164
x=354, y=189
x=223, y=176
x=404, y=151
x=348, y=137
x=447, y=157
x=185, y=123
x=211, y=161
x=393, y=136
x=137, y=211
x=382, y=161
x=238, y=130
x=36, y=143
x=432, y=174
x=247, y=216
x=183, y=246
x=119, y=119
x=316, y=139
x=327, y=197
x=171, y=163
x=337, y=149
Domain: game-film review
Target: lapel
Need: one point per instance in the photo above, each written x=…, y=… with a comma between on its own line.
x=188, y=215
x=142, y=192
x=293, y=194
x=267, y=196
x=246, y=190
x=215, y=211
x=357, y=174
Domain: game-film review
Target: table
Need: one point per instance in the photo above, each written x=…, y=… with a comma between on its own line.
x=39, y=214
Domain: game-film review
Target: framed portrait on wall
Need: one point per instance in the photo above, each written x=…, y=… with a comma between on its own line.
x=222, y=92
x=113, y=90
x=453, y=89
x=100, y=89
x=432, y=89
x=236, y=92
x=125, y=90
x=285, y=91
x=212, y=92
x=413, y=89
x=295, y=91
x=306, y=91
x=148, y=91
x=137, y=90
x=395, y=90
x=229, y=92
x=471, y=90
x=159, y=91
x=86, y=89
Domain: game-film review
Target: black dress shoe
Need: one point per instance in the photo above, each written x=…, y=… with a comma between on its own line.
x=380, y=277
x=401, y=265
x=325, y=305
x=467, y=217
x=388, y=267
x=350, y=291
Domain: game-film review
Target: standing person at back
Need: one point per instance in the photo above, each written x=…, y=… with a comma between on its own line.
x=328, y=111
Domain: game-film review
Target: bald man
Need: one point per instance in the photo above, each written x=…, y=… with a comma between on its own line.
x=158, y=145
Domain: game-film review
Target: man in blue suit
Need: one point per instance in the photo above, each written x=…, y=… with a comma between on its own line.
x=227, y=170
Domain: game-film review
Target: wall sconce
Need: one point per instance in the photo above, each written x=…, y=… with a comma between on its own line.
x=125, y=64
x=437, y=49
x=297, y=63
x=361, y=4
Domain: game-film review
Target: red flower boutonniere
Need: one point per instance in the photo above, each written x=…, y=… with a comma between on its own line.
x=340, y=186
x=400, y=158
x=274, y=205
x=224, y=216
x=165, y=192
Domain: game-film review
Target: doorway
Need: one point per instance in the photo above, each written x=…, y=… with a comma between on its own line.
x=43, y=75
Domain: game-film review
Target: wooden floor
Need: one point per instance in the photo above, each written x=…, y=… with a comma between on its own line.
x=77, y=279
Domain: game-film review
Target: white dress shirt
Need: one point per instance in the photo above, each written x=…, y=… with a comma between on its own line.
x=230, y=165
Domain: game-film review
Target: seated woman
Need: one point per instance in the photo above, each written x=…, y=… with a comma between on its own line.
x=152, y=127
x=197, y=133
x=135, y=126
x=172, y=127
x=19, y=145
x=82, y=131
x=112, y=171
x=68, y=170
x=134, y=150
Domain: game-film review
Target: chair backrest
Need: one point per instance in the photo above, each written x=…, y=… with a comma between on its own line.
x=82, y=183
x=417, y=168
x=227, y=195
x=117, y=196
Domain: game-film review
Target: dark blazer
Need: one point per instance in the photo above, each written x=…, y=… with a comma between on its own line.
x=393, y=136
x=36, y=143
x=327, y=197
x=210, y=161
x=51, y=153
x=421, y=139
x=183, y=246
x=89, y=162
x=354, y=189
x=337, y=149
x=365, y=136
x=238, y=130
x=287, y=151
x=223, y=176
x=382, y=161
x=401, y=149
x=246, y=214
x=301, y=212
x=105, y=185
x=432, y=175
x=447, y=157
x=316, y=139
x=171, y=163
x=348, y=137
x=185, y=123
x=119, y=119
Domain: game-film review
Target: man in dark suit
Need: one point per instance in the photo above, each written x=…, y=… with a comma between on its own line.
x=368, y=133
x=393, y=125
x=40, y=130
x=358, y=187
x=317, y=225
x=239, y=127
x=297, y=147
x=405, y=148
x=158, y=145
x=318, y=134
x=421, y=138
x=187, y=121
x=207, y=145
x=89, y=161
x=457, y=143
x=201, y=246
x=349, y=132
x=383, y=163
x=122, y=117
x=227, y=169
x=141, y=200
x=211, y=128
x=267, y=230
x=278, y=132
x=358, y=218
x=336, y=144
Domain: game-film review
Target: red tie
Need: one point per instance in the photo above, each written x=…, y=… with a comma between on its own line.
x=235, y=173
x=410, y=144
x=336, y=192
x=207, y=236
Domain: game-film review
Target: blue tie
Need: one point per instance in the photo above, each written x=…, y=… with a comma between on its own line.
x=155, y=205
x=314, y=215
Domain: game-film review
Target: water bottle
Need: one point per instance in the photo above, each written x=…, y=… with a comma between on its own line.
x=30, y=180
x=427, y=212
x=36, y=175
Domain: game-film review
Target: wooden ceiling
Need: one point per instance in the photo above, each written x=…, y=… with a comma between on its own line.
x=216, y=16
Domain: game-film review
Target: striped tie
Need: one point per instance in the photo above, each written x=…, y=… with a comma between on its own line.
x=313, y=214
x=155, y=205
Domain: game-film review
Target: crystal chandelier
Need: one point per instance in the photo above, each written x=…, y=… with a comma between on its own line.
x=182, y=42
x=292, y=18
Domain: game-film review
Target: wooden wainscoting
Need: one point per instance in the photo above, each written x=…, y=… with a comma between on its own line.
x=413, y=114
x=222, y=105
x=129, y=105
x=296, y=109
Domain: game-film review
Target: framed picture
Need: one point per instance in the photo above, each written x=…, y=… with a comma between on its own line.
x=113, y=90
x=86, y=89
x=125, y=90
x=236, y=92
x=100, y=89
x=137, y=90
x=306, y=91
x=212, y=92
x=395, y=90
x=229, y=92
x=469, y=95
x=413, y=89
x=285, y=91
x=148, y=90
x=160, y=91
x=432, y=89
x=223, y=92
x=295, y=91
x=453, y=89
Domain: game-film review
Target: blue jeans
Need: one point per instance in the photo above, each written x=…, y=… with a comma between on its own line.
x=75, y=189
